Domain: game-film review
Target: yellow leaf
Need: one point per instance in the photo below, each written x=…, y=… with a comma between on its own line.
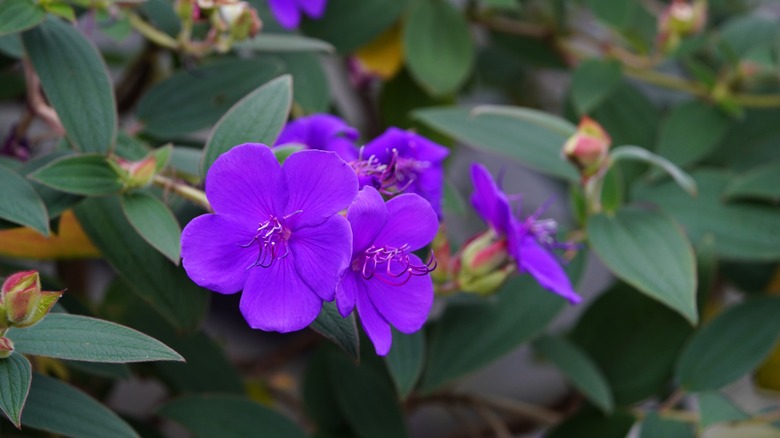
x=383, y=56
x=70, y=243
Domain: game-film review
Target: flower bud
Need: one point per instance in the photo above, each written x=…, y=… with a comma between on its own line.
x=484, y=264
x=588, y=148
x=680, y=19
x=234, y=22
x=441, y=248
x=135, y=174
x=23, y=302
x=6, y=347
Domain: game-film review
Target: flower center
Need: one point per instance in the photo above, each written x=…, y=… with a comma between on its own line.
x=271, y=238
x=393, y=177
x=391, y=265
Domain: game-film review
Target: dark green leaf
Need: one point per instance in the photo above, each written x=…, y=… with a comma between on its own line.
x=257, y=118
x=683, y=145
x=579, y=368
x=88, y=175
x=164, y=286
x=319, y=392
x=284, y=42
x=524, y=142
x=591, y=424
x=745, y=32
x=618, y=14
x=732, y=344
x=20, y=204
x=19, y=15
x=75, y=80
x=656, y=427
x=649, y=251
x=109, y=370
x=194, y=99
x=79, y=337
x=762, y=183
x=11, y=45
x=56, y=201
x=593, y=81
x=342, y=331
x=535, y=117
x=717, y=408
x=310, y=84
x=61, y=409
x=405, y=360
x=154, y=222
x=186, y=160
x=15, y=377
x=628, y=116
x=228, y=416
x=438, y=46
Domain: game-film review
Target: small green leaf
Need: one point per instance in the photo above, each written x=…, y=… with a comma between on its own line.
x=640, y=154
x=284, y=42
x=579, y=368
x=761, y=183
x=228, y=416
x=649, y=251
x=405, y=360
x=731, y=345
x=75, y=80
x=15, y=377
x=77, y=337
x=19, y=15
x=717, y=408
x=438, y=46
x=593, y=82
x=88, y=175
x=155, y=222
x=257, y=118
x=20, y=204
x=683, y=145
x=656, y=427
x=59, y=408
x=542, y=119
x=342, y=331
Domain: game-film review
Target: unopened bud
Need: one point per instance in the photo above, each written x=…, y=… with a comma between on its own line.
x=6, y=347
x=135, y=174
x=680, y=19
x=441, y=248
x=22, y=300
x=484, y=264
x=588, y=148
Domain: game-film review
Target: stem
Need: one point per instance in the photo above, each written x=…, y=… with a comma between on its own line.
x=593, y=188
x=189, y=193
x=151, y=33
x=537, y=414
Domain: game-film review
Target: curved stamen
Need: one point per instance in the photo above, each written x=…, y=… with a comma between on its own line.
x=393, y=177
x=393, y=258
x=271, y=238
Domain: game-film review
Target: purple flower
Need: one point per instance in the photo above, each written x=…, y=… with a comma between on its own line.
x=288, y=12
x=274, y=233
x=324, y=132
x=389, y=284
x=400, y=161
x=530, y=242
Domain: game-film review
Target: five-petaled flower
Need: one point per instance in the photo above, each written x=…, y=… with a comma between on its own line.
x=324, y=132
x=288, y=12
x=529, y=242
x=275, y=233
x=389, y=284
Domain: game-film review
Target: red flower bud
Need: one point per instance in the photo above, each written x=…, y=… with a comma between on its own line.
x=588, y=148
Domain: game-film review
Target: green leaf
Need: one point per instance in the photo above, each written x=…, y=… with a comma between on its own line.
x=438, y=46
x=640, y=154
x=405, y=360
x=656, y=427
x=19, y=15
x=747, y=31
x=535, y=117
x=490, y=329
x=158, y=282
x=761, y=183
x=618, y=14
x=77, y=337
x=717, y=408
x=524, y=142
x=741, y=231
x=15, y=377
x=682, y=145
x=59, y=408
x=350, y=24
x=591, y=424
x=20, y=204
x=228, y=416
x=197, y=98
x=628, y=116
x=579, y=368
x=11, y=46
x=284, y=42
x=118, y=371
x=155, y=222
x=88, y=175
x=649, y=251
x=187, y=160
x=75, y=80
x=342, y=331
x=257, y=118
x=311, y=90
x=731, y=345
x=593, y=82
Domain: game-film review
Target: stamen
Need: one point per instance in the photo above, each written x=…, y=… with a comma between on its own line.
x=271, y=237
x=393, y=177
x=393, y=258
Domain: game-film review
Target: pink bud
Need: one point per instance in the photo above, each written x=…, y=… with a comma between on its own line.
x=484, y=264
x=135, y=174
x=588, y=148
x=6, y=347
x=680, y=19
x=22, y=301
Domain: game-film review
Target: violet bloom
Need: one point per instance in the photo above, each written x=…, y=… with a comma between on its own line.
x=275, y=233
x=530, y=242
x=389, y=284
x=288, y=12
x=324, y=132
x=400, y=161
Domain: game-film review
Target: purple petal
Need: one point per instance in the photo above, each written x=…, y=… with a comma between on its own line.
x=285, y=12
x=313, y=8
x=245, y=181
x=211, y=251
x=321, y=254
x=376, y=327
x=277, y=299
x=367, y=216
x=408, y=144
x=320, y=184
x=489, y=201
x=347, y=292
x=410, y=220
x=430, y=185
x=324, y=132
x=545, y=268
x=406, y=307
